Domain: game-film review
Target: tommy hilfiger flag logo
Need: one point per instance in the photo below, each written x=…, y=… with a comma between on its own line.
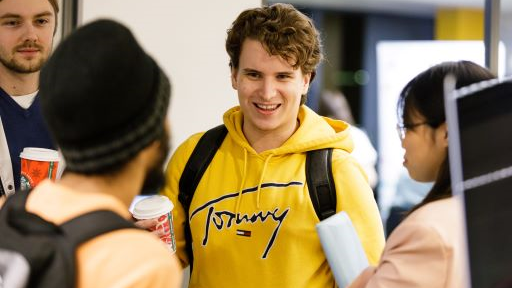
x=244, y=233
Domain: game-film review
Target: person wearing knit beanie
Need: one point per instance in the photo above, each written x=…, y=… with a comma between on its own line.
x=110, y=102
x=105, y=101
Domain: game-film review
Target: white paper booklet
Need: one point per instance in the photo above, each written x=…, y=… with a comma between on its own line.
x=342, y=248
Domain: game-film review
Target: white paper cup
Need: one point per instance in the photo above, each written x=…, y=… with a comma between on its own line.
x=159, y=207
x=38, y=164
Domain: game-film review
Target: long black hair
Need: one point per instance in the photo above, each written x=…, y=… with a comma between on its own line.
x=423, y=96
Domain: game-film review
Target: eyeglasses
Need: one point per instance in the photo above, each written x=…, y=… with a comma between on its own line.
x=402, y=129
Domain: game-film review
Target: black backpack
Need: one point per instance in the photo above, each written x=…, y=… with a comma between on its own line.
x=38, y=253
x=318, y=176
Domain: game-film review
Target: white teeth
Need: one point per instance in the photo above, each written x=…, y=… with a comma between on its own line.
x=267, y=107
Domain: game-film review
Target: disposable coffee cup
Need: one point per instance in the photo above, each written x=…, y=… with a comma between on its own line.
x=158, y=207
x=37, y=164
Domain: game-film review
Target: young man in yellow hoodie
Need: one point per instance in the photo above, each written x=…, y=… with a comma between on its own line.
x=251, y=217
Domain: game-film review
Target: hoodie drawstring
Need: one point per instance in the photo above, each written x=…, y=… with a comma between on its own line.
x=261, y=180
x=244, y=172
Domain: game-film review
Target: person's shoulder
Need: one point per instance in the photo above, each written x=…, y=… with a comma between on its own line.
x=437, y=211
x=443, y=218
x=133, y=255
x=343, y=160
x=129, y=246
x=339, y=154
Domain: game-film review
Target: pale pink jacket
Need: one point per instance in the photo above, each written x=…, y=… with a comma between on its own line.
x=426, y=250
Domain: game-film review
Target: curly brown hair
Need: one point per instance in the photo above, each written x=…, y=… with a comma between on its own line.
x=283, y=31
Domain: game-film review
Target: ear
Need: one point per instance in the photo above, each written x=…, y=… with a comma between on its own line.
x=443, y=134
x=145, y=156
x=307, y=81
x=234, y=82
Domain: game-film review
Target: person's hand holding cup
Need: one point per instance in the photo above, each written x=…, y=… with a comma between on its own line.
x=154, y=213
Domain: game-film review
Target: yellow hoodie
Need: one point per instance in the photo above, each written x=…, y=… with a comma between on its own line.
x=252, y=219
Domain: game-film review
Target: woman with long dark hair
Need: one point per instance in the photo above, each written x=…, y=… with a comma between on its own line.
x=427, y=248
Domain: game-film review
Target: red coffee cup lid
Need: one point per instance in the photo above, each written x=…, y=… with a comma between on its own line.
x=152, y=207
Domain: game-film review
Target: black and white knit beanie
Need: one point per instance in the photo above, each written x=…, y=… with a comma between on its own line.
x=104, y=99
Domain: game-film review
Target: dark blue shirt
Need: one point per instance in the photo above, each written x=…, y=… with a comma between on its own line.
x=23, y=128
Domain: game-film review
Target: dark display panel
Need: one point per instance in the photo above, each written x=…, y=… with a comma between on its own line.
x=485, y=123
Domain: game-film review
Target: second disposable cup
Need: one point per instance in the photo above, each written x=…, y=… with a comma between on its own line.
x=37, y=164
x=159, y=207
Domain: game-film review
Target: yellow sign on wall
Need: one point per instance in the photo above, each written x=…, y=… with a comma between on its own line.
x=459, y=24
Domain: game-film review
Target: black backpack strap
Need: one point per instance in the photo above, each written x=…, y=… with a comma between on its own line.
x=87, y=226
x=18, y=200
x=17, y=216
x=320, y=182
x=92, y=224
x=194, y=169
x=77, y=230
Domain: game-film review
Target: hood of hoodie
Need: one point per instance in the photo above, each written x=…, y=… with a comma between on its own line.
x=314, y=132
